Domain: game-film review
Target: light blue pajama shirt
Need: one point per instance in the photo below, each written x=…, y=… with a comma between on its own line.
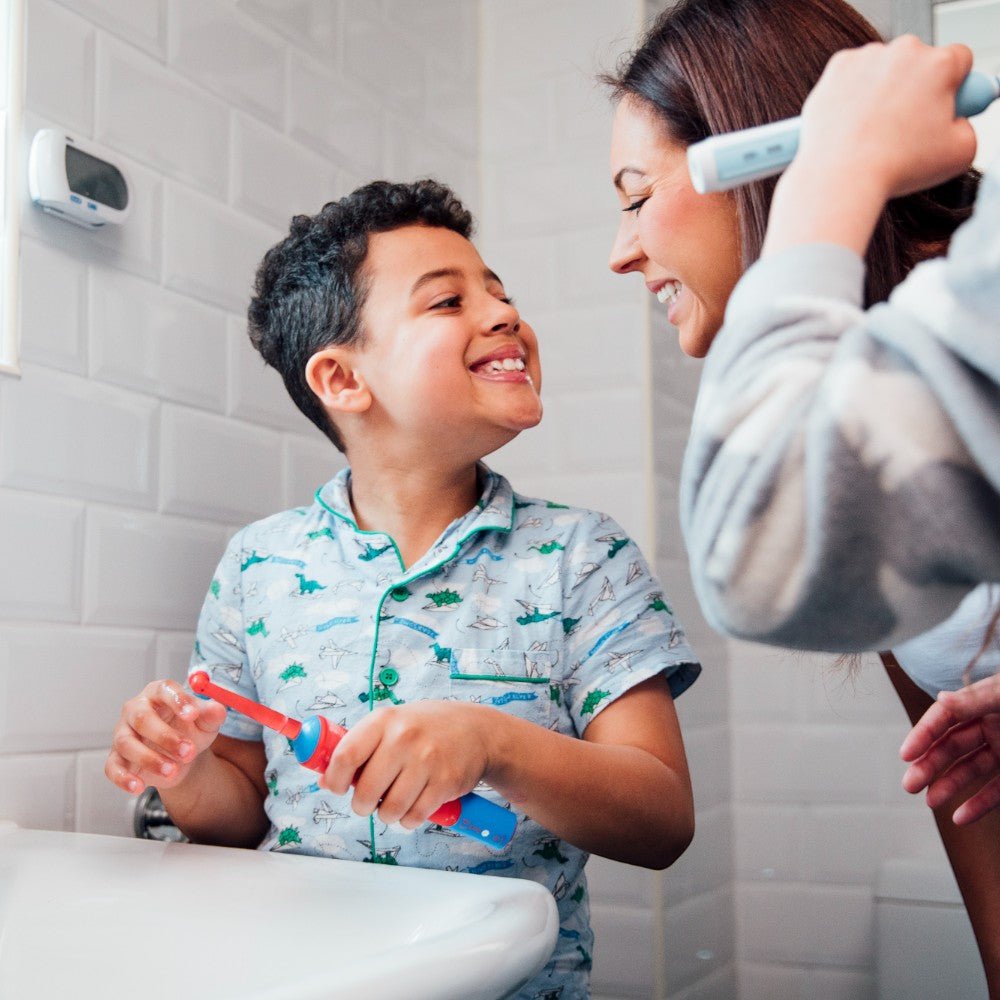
x=545, y=611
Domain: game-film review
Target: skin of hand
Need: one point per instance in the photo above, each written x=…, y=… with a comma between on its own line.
x=414, y=757
x=159, y=735
x=880, y=123
x=954, y=750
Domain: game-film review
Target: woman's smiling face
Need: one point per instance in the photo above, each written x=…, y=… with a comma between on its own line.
x=685, y=245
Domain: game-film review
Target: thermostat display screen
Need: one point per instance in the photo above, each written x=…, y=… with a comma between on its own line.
x=95, y=179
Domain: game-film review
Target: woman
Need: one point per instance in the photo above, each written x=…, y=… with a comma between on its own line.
x=715, y=66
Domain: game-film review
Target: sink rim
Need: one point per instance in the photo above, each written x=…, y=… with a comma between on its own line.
x=495, y=913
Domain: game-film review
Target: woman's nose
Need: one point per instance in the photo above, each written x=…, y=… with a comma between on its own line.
x=625, y=251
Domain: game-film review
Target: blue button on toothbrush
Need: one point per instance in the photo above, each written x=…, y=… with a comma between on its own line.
x=726, y=161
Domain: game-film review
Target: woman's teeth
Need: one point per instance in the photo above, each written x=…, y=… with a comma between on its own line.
x=669, y=292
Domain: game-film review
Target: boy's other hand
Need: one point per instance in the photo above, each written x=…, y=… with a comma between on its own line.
x=159, y=735
x=412, y=759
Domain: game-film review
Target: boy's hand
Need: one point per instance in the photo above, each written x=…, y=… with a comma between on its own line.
x=412, y=759
x=159, y=735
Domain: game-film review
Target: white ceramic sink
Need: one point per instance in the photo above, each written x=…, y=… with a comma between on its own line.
x=88, y=916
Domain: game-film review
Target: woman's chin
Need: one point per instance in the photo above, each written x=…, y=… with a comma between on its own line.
x=695, y=336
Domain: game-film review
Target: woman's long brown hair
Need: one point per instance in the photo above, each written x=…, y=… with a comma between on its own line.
x=712, y=66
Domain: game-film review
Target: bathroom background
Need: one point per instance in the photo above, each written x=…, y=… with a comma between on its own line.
x=142, y=430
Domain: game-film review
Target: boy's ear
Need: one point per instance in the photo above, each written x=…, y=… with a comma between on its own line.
x=336, y=382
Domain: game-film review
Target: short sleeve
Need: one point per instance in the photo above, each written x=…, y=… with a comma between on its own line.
x=620, y=628
x=220, y=640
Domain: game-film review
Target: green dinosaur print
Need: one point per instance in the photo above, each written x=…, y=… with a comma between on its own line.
x=384, y=858
x=616, y=546
x=442, y=654
x=290, y=835
x=520, y=506
x=215, y=588
x=549, y=851
x=547, y=548
x=556, y=506
x=555, y=694
x=258, y=628
x=380, y=693
x=308, y=586
x=593, y=700
x=251, y=559
x=578, y=895
x=658, y=604
x=322, y=533
x=272, y=782
x=569, y=624
x=587, y=960
x=443, y=598
x=371, y=552
x=535, y=616
x=291, y=671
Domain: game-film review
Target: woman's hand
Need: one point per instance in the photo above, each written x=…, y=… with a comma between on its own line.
x=955, y=750
x=887, y=112
x=880, y=123
x=412, y=758
x=159, y=736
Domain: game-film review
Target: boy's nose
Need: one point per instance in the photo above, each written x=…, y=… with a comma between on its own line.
x=506, y=319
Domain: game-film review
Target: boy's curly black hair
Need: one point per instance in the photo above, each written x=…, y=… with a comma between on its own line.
x=311, y=287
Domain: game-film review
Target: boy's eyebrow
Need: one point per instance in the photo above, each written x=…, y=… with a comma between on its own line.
x=627, y=170
x=448, y=272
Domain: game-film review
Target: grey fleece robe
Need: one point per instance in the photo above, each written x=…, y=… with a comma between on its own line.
x=841, y=485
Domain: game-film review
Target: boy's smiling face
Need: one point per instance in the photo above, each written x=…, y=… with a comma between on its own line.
x=446, y=356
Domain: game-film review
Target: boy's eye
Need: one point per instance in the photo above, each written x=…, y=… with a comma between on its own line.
x=636, y=205
x=450, y=303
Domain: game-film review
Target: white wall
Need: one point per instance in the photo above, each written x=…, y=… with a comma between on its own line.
x=144, y=429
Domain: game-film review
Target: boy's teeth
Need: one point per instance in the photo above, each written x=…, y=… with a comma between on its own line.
x=669, y=292
x=507, y=365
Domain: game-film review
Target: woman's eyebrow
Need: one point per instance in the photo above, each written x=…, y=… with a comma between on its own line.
x=627, y=170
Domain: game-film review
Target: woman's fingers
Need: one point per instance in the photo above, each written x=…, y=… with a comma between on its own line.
x=981, y=698
x=942, y=755
x=984, y=801
x=931, y=727
x=958, y=779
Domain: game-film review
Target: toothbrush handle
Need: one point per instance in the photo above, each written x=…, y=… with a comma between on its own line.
x=471, y=815
x=722, y=162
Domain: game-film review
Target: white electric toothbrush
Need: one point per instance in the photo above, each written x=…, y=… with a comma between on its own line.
x=726, y=161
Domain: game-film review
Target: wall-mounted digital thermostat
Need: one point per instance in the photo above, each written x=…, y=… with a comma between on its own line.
x=76, y=181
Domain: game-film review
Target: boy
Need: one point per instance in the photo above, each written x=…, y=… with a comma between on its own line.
x=462, y=633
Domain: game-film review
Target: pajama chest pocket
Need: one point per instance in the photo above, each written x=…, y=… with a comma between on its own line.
x=515, y=681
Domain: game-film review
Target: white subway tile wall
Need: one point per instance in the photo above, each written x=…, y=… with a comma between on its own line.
x=145, y=430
